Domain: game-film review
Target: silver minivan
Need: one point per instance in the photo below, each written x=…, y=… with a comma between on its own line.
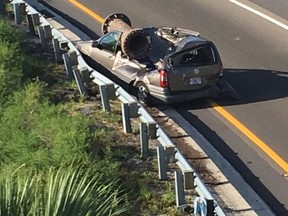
x=174, y=64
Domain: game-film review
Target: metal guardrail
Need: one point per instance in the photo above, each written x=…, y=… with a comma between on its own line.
x=185, y=178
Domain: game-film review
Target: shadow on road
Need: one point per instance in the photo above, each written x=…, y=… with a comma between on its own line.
x=256, y=85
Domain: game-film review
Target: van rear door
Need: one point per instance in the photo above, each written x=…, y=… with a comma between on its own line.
x=194, y=68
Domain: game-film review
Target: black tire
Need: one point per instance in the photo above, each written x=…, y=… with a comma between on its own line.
x=143, y=94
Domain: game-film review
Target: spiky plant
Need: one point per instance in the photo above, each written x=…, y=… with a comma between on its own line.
x=60, y=192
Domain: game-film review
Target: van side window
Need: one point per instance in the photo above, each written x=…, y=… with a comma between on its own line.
x=110, y=41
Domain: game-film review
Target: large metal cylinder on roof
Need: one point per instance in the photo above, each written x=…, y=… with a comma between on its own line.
x=135, y=43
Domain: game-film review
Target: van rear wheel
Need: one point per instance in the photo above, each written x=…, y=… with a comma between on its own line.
x=143, y=94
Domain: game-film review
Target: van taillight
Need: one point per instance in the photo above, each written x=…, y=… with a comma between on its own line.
x=164, y=78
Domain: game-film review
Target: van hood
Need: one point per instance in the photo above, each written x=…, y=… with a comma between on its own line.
x=85, y=47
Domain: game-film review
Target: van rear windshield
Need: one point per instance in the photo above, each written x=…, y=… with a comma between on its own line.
x=203, y=55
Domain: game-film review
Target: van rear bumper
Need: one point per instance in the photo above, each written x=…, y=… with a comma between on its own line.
x=164, y=94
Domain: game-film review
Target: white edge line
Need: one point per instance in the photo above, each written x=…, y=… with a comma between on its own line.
x=260, y=14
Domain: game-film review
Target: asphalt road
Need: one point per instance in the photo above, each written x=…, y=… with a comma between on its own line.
x=254, y=53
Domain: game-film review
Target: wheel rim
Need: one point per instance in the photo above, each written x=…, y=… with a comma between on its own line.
x=142, y=94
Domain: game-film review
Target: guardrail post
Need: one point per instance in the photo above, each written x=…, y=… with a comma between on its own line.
x=64, y=46
x=152, y=130
x=79, y=82
x=45, y=34
x=133, y=106
x=210, y=207
x=105, y=98
x=85, y=74
x=36, y=19
x=179, y=188
x=70, y=60
x=33, y=22
x=144, y=140
x=170, y=153
x=73, y=58
x=111, y=91
x=41, y=35
x=30, y=24
x=68, y=65
x=188, y=179
x=19, y=10
x=57, y=50
x=162, y=163
x=126, y=118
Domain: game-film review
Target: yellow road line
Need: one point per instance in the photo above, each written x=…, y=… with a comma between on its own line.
x=87, y=10
x=253, y=137
x=248, y=133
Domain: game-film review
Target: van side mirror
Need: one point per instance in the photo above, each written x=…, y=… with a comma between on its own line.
x=96, y=44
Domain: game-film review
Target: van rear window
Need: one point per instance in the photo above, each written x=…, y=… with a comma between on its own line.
x=203, y=55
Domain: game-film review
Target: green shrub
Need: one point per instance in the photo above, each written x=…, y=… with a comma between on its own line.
x=15, y=67
x=40, y=134
x=8, y=34
x=11, y=71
